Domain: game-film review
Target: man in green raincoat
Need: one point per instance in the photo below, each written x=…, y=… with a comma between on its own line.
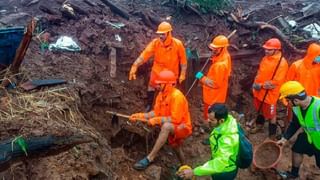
x=224, y=142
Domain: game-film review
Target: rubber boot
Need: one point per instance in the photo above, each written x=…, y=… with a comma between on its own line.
x=150, y=98
x=272, y=131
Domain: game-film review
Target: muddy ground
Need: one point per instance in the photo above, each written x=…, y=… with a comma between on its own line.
x=88, y=76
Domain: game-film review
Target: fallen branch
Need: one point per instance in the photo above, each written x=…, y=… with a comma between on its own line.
x=47, y=10
x=281, y=36
x=114, y=8
x=263, y=25
x=11, y=152
x=90, y=3
x=149, y=18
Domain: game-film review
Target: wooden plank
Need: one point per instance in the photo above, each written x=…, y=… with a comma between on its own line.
x=116, y=9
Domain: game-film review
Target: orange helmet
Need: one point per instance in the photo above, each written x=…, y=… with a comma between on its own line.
x=272, y=43
x=166, y=77
x=219, y=42
x=164, y=27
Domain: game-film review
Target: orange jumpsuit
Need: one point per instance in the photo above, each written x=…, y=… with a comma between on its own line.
x=266, y=69
x=167, y=55
x=174, y=106
x=219, y=73
x=306, y=72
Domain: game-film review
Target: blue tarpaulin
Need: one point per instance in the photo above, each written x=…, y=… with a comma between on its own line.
x=10, y=39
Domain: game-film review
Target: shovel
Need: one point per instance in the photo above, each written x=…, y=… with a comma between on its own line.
x=33, y=84
x=115, y=118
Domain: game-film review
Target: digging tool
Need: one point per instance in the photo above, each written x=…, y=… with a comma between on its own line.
x=205, y=65
x=115, y=122
x=33, y=84
x=115, y=117
x=196, y=80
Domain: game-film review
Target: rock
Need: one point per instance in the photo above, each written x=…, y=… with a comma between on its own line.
x=68, y=11
x=154, y=172
x=87, y=36
x=99, y=22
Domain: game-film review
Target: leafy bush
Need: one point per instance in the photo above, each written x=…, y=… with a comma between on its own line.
x=213, y=5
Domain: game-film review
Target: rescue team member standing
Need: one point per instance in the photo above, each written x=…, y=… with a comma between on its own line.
x=306, y=71
x=264, y=84
x=306, y=115
x=224, y=142
x=168, y=53
x=215, y=83
x=171, y=112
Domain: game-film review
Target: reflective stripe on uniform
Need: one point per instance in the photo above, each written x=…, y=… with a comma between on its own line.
x=315, y=117
x=165, y=119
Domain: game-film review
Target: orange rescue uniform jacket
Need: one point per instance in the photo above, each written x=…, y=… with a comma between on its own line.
x=266, y=69
x=167, y=55
x=174, y=105
x=306, y=72
x=219, y=73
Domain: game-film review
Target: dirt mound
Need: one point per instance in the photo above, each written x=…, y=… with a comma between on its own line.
x=80, y=105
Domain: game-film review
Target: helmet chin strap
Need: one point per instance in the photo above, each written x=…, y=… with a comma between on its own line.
x=166, y=88
x=218, y=52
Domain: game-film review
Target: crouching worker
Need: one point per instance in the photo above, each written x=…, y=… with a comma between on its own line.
x=171, y=112
x=306, y=115
x=224, y=142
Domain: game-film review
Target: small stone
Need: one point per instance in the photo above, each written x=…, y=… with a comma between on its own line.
x=154, y=172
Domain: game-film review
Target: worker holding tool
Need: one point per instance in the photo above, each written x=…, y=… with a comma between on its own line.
x=168, y=53
x=307, y=72
x=215, y=83
x=270, y=76
x=224, y=142
x=306, y=115
x=171, y=112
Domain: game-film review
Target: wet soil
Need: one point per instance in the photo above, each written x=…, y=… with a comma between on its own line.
x=88, y=77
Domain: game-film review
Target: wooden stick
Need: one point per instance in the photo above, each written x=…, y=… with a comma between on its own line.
x=118, y=114
x=205, y=64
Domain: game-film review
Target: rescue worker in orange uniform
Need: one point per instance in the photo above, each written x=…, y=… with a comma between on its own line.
x=168, y=53
x=307, y=72
x=171, y=112
x=215, y=83
x=265, y=86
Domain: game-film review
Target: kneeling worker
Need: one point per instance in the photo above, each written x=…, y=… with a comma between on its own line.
x=224, y=142
x=171, y=112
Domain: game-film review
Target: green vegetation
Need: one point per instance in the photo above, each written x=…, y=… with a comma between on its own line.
x=208, y=6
